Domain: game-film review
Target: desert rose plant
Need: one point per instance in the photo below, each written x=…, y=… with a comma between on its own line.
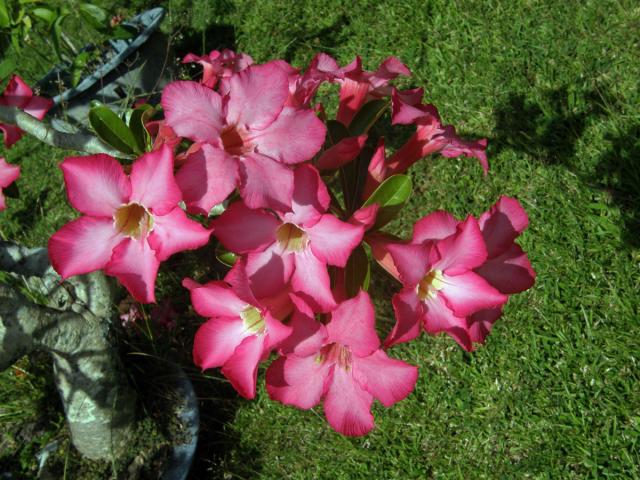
x=295, y=203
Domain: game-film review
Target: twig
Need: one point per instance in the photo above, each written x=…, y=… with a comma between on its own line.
x=80, y=141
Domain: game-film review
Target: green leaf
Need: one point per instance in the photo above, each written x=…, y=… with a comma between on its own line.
x=123, y=32
x=5, y=18
x=112, y=130
x=353, y=176
x=97, y=17
x=367, y=116
x=357, y=272
x=7, y=67
x=391, y=195
x=336, y=131
x=139, y=116
x=79, y=64
x=45, y=14
x=225, y=257
x=56, y=35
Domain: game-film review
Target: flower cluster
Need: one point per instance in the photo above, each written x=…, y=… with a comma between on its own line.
x=248, y=140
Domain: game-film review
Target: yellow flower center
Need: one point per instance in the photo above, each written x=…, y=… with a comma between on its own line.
x=335, y=353
x=291, y=238
x=430, y=284
x=253, y=320
x=133, y=220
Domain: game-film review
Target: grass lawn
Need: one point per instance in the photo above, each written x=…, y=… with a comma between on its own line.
x=555, y=392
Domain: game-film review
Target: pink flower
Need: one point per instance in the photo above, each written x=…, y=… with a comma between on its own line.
x=296, y=245
x=8, y=174
x=240, y=331
x=18, y=94
x=430, y=137
x=249, y=137
x=303, y=87
x=340, y=363
x=219, y=65
x=130, y=223
x=359, y=86
x=507, y=267
x=441, y=288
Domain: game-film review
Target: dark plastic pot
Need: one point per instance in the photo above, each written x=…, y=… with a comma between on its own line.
x=132, y=68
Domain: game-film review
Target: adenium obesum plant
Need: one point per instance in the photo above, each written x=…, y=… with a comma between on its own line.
x=299, y=201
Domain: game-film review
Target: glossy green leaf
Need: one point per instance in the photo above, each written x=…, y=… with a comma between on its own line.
x=366, y=117
x=123, y=32
x=139, y=117
x=7, y=67
x=391, y=195
x=5, y=18
x=95, y=16
x=225, y=257
x=112, y=130
x=56, y=35
x=78, y=67
x=336, y=131
x=357, y=272
x=45, y=14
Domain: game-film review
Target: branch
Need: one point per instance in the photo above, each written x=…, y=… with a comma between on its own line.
x=80, y=141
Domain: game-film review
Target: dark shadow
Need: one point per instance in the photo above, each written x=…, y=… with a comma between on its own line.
x=322, y=40
x=550, y=127
x=618, y=172
x=216, y=37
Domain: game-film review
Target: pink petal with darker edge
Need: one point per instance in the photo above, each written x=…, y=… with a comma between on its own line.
x=135, y=265
x=83, y=245
x=96, y=184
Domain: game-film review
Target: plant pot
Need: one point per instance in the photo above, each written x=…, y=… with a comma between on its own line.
x=131, y=69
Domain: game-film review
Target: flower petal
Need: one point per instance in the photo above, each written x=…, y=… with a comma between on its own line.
x=152, y=182
x=502, y=224
x=216, y=340
x=96, y=184
x=265, y=183
x=214, y=299
x=8, y=173
x=468, y=293
x=439, y=318
x=83, y=245
x=294, y=137
x=193, y=111
x=310, y=280
x=297, y=381
x=269, y=271
x=347, y=406
x=333, y=240
x=242, y=368
x=243, y=230
x=387, y=379
x=307, y=335
x=310, y=197
x=175, y=232
x=256, y=96
x=206, y=178
x=11, y=134
x=481, y=323
x=510, y=272
x=409, y=312
x=341, y=153
x=464, y=251
x=135, y=265
x=353, y=324
x=435, y=226
x=412, y=261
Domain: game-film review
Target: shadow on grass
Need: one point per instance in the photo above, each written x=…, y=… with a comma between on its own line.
x=549, y=129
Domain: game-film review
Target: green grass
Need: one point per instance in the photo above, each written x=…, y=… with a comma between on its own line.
x=555, y=392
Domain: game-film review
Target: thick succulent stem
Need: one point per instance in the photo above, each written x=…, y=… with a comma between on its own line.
x=80, y=141
x=75, y=327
